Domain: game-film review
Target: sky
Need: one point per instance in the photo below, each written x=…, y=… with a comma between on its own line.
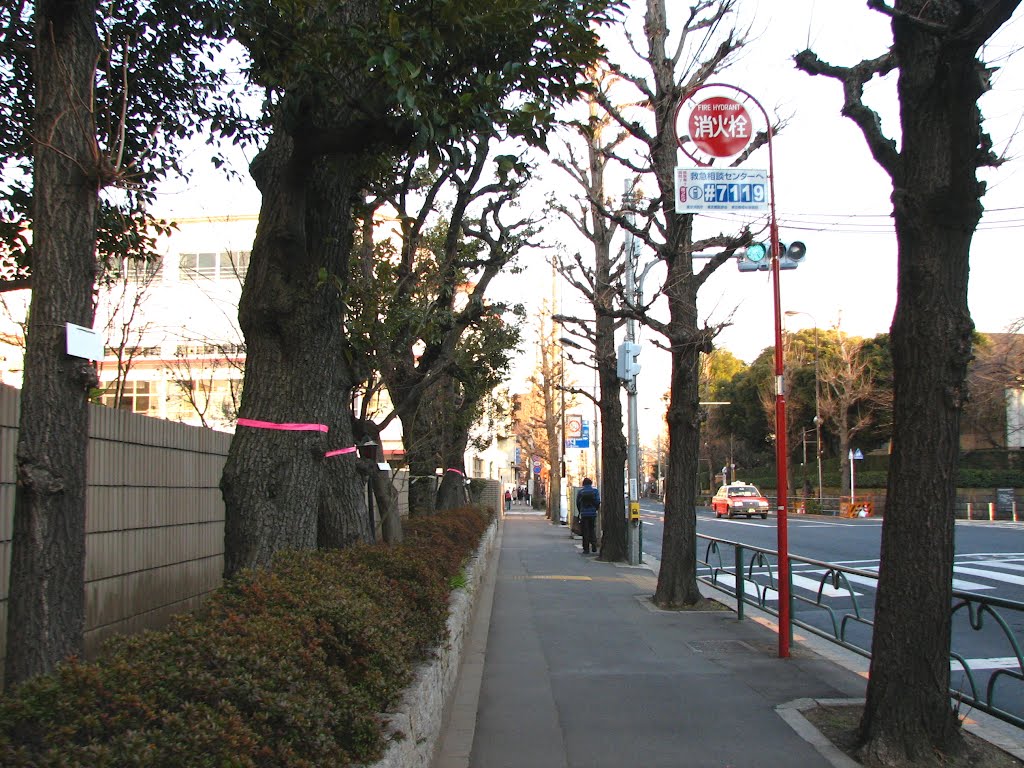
x=829, y=193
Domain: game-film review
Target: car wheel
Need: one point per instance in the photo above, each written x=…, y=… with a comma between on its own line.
x=764, y=515
x=730, y=515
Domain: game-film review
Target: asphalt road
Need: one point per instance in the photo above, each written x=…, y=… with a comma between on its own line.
x=989, y=562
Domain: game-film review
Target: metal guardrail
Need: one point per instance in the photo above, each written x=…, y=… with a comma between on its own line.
x=753, y=573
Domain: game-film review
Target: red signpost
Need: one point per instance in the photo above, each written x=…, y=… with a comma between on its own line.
x=720, y=127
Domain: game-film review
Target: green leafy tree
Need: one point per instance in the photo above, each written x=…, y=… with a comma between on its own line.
x=351, y=87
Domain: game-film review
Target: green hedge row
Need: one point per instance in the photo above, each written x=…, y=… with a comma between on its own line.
x=290, y=666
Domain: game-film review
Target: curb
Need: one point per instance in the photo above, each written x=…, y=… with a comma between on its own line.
x=414, y=728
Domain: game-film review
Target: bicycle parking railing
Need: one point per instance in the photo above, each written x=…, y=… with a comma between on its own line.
x=751, y=576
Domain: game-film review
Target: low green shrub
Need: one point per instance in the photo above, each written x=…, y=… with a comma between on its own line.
x=289, y=666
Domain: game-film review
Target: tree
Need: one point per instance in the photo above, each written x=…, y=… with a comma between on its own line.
x=46, y=610
x=81, y=118
x=848, y=391
x=377, y=84
x=703, y=46
x=998, y=366
x=936, y=207
x=529, y=428
x=434, y=294
x=550, y=381
x=598, y=286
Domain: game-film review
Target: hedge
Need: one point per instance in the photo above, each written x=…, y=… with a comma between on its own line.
x=289, y=666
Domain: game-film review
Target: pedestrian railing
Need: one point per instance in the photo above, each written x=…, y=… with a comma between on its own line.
x=838, y=612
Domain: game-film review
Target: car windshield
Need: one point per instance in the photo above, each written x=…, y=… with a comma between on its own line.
x=744, y=490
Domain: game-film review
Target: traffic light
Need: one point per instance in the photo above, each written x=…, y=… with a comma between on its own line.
x=627, y=366
x=791, y=255
x=757, y=256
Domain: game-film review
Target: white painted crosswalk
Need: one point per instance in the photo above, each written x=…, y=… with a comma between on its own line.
x=986, y=573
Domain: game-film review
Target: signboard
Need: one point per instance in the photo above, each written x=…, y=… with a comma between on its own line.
x=720, y=126
x=583, y=441
x=573, y=426
x=536, y=465
x=729, y=189
x=84, y=342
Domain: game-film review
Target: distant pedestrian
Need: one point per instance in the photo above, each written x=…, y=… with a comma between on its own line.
x=588, y=501
x=526, y=495
x=508, y=500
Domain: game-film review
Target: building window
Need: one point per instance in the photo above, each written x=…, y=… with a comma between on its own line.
x=213, y=266
x=136, y=397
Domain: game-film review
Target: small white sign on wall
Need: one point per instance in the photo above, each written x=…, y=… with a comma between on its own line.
x=84, y=342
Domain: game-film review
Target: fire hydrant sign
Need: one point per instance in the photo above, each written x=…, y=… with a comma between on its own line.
x=720, y=126
x=699, y=190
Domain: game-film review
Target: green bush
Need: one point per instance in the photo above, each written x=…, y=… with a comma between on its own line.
x=290, y=666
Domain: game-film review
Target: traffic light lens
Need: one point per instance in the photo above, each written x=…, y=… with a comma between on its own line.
x=756, y=252
x=796, y=251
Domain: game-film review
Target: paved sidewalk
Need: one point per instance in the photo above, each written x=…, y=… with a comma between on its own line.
x=570, y=665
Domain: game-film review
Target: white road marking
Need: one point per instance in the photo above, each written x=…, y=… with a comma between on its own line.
x=998, y=662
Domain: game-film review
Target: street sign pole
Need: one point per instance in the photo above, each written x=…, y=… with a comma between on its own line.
x=720, y=127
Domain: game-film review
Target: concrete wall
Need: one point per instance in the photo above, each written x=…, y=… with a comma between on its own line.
x=154, y=518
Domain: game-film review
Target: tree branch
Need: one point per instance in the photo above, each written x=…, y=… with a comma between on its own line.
x=882, y=148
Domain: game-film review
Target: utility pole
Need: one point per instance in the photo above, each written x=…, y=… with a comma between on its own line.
x=631, y=349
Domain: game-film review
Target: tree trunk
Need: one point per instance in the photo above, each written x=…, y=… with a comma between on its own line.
x=46, y=608
x=936, y=209
x=292, y=321
x=677, y=579
x=343, y=517
x=453, y=492
x=422, y=450
x=614, y=547
x=387, y=505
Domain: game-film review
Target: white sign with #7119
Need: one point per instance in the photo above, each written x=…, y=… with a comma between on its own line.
x=699, y=190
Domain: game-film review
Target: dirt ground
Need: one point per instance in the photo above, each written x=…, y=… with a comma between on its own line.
x=839, y=724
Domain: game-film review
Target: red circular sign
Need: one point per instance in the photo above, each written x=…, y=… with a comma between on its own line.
x=720, y=127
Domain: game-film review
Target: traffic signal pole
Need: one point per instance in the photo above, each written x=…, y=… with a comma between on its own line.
x=720, y=127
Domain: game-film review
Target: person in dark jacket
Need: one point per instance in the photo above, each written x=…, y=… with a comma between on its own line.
x=588, y=501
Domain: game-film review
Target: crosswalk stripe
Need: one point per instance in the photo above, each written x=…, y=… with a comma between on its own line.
x=1008, y=578
x=999, y=662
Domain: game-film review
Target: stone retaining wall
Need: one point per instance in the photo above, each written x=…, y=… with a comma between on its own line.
x=417, y=722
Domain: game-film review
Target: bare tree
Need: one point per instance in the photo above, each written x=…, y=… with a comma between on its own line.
x=998, y=368
x=850, y=396
x=124, y=295
x=674, y=65
x=598, y=284
x=936, y=208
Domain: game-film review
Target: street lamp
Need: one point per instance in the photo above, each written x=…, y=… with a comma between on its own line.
x=817, y=401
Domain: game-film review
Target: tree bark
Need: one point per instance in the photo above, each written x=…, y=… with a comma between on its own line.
x=46, y=608
x=613, y=442
x=291, y=313
x=936, y=210
x=677, y=579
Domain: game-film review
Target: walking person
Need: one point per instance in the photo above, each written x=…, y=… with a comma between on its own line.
x=588, y=501
x=508, y=500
